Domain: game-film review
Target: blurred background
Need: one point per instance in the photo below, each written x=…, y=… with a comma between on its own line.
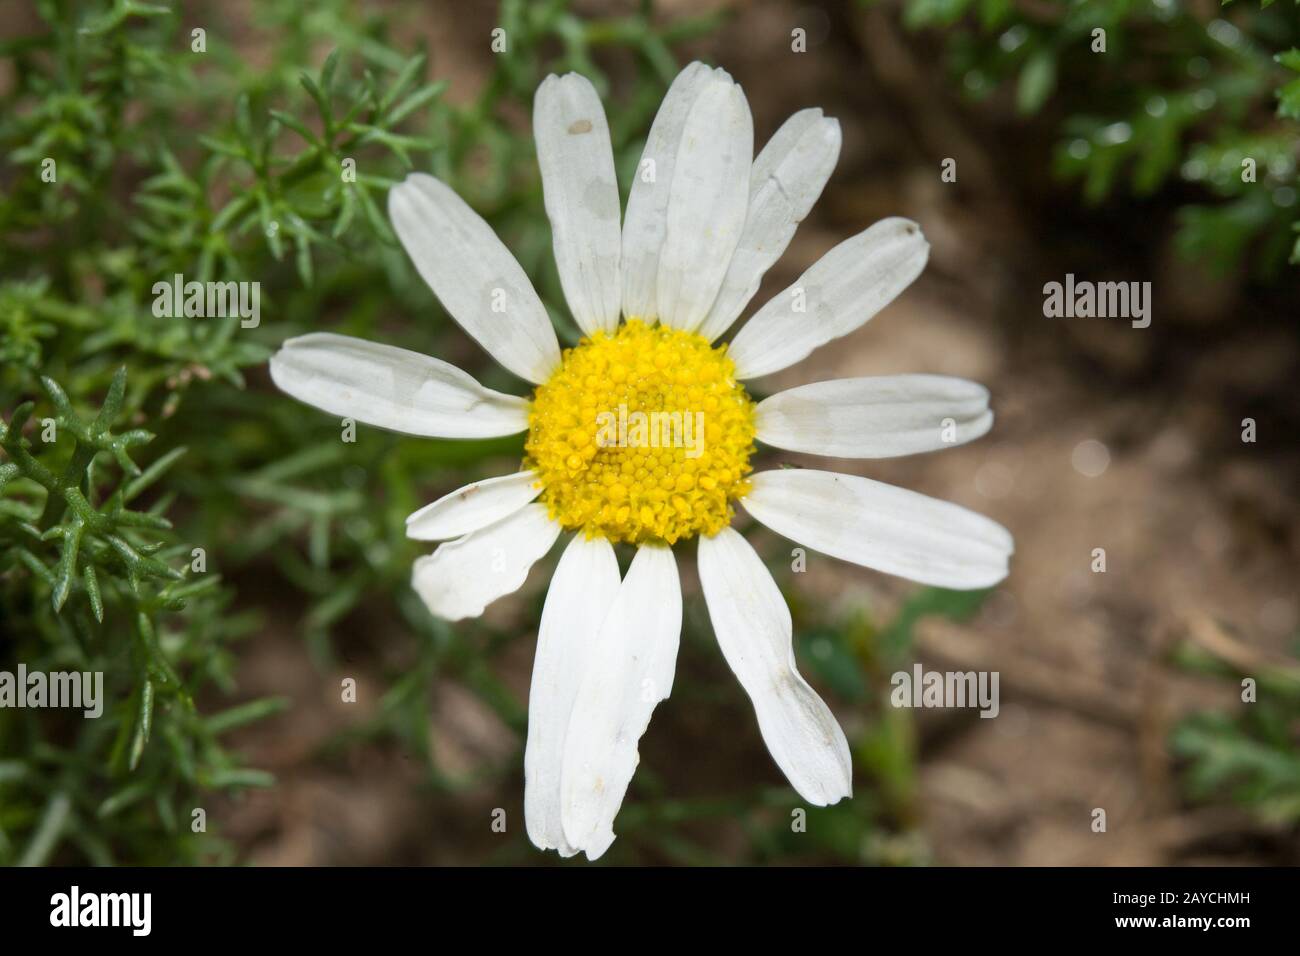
x=216, y=154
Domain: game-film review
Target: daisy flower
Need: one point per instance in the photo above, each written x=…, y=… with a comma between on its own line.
x=704, y=221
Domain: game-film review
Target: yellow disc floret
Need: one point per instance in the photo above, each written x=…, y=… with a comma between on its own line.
x=642, y=435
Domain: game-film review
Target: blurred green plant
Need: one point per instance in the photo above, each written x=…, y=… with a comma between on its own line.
x=1249, y=756
x=1153, y=95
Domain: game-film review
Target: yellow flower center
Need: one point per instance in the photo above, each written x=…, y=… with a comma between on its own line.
x=642, y=435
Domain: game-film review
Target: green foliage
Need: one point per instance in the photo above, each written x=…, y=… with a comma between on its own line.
x=1247, y=755
x=90, y=585
x=1176, y=98
x=86, y=535
x=231, y=164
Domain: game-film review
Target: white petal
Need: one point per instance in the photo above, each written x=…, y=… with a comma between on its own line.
x=841, y=291
x=875, y=417
x=707, y=203
x=464, y=576
x=630, y=671
x=393, y=388
x=752, y=623
x=475, y=506
x=883, y=527
x=474, y=276
x=645, y=221
x=581, y=194
x=582, y=591
x=787, y=178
